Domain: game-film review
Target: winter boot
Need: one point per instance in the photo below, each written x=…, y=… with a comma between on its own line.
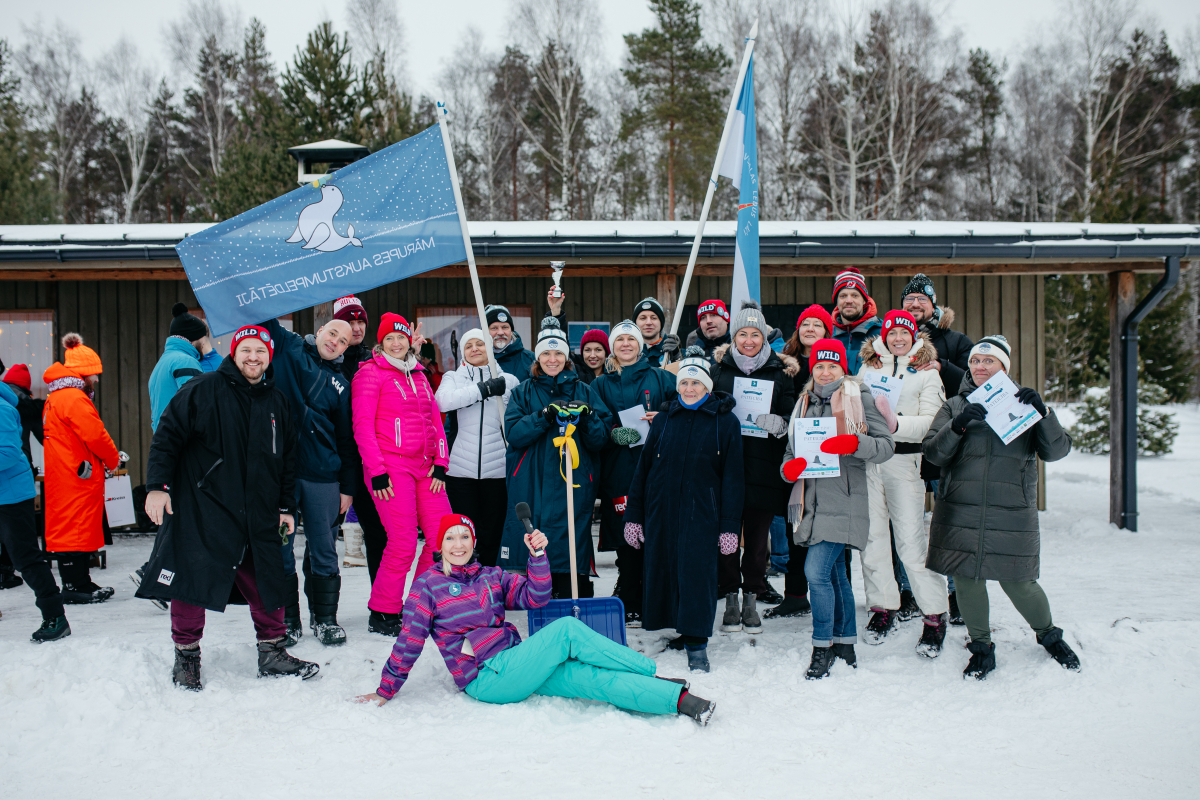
x=933, y=635
x=9, y=579
x=136, y=577
x=822, y=660
x=387, y=624
x=983, y=660
x=955, y=614
x=323, y=593
x=291, y=612
x=769, y=596
x=633, y=619
x=51, y=629
x=274, y=660
x=354, y=556
x=790, y=607
x=77, y=587
x=1059, y=650
x=695, y=707
x=751, y=621
x=908, y=607
x=186, y=674
x=732, y=621
x=846, y=653
x=882, y=623
x=698, y=658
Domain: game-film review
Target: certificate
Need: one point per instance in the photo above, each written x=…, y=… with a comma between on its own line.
x=888, y=386
x=807, y=435
x=752, y=397
x=1007, y=415
x=632, y=418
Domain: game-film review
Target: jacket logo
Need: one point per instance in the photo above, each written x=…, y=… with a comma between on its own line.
x=455, y=589
x=619, y=504
x=166, y=576
x=504, y=552
x=337, y=385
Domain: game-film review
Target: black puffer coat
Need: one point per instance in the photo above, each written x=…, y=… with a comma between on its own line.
x=953, y=348
x=985, y=519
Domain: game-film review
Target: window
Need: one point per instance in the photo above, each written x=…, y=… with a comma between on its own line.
x=445, y=325
x=578, y=329
x=27, y=337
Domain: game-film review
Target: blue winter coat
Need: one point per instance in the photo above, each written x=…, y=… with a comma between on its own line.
x=639, y=384
x=533, y=471
x=687, y=490
x=16, y=479
x=180, y=362
x=853, y=338
x=515, y=359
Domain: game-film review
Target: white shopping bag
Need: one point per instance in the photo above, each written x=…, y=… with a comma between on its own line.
x=118, y=501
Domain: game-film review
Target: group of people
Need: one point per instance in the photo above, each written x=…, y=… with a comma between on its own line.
x=688, y=486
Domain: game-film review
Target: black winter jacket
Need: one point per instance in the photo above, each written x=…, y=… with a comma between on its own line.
x=697, y=337
x=953, y=348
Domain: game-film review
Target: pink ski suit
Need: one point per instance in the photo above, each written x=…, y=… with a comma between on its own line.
x=398, y=427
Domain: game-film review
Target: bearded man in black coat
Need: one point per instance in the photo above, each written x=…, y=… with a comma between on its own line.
x=222, y=483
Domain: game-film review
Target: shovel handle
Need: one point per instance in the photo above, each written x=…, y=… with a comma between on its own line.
x=566, y=455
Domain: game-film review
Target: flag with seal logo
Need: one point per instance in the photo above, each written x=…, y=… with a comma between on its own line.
x=741, y=165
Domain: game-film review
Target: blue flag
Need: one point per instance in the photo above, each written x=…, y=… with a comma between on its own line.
x=386, y=217
x=741, y=165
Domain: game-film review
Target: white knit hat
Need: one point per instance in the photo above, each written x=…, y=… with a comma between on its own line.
x=695, y=369
x=995, y=346
x=625, y=327
x=551, y=337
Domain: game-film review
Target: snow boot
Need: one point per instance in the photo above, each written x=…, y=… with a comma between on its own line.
x=881, y=624
x=933, y=636
x=85, y=593
x=695, y=707
x=633, y=619
x=51, y=629
x=955, y=614
x=822, y=660
x=732, y=621
x=1059, y=650
x=769, y=596
x=677, y=643
x=908, y=607
x=983, y=660
x=291, y=611
x=354, y=556
x=323, y=593
x=186, y=674
x=274, y=660
x=698, y=658
x=846, y=653
x=136, y=577
x=751, y=621
x=9, y=579
x=790, y=607
x=386, y=624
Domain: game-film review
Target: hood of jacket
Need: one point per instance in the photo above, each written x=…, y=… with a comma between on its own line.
x=512, y=348
x=921, y=353
x=310, y=347
x=559, y=382
x=57, y=371
x=717, y=403
x=176, y=344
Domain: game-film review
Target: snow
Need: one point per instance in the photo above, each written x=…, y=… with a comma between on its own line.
x=96, y=716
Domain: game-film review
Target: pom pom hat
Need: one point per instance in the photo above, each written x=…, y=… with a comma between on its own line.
x=453, y=521
x=694, y=367
x=551, y=337
x=750, y=316
x=712, y=307
x=899, y=318
x=253, y=330
x=995, y=346
x=187, y=325
x=393, y=323
x=80, y=358
x=850, y=278
x=830, y=350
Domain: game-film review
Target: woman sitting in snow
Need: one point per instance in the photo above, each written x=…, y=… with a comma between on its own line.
x=462, y=604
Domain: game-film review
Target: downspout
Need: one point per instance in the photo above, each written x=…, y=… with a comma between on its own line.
x=1129, y=378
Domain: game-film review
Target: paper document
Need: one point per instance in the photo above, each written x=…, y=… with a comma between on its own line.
x=1007, y=415
x=753, y=397
x=807, y=435
x=632, y=418
x=888, y=386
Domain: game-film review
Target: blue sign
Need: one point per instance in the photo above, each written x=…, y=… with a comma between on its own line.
x=384, y=218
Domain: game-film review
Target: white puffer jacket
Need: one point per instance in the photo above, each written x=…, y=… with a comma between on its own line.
x=474, y=455
x=921, y=392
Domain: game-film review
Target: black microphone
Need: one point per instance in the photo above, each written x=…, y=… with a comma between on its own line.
x=523, y=515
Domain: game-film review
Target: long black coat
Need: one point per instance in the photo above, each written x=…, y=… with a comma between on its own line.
x=688, y=489
x=953, y=348
x=227, y=451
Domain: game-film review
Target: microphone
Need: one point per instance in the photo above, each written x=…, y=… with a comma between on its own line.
x=523, y=515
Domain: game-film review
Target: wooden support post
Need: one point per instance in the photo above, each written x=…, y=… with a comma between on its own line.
x=666, y=292
x=322, y=313
x=1121, y=300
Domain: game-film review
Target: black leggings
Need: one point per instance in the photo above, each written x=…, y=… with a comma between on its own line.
x=374, y=534
x=19, y=535
x=794, y=582
x=485, y=502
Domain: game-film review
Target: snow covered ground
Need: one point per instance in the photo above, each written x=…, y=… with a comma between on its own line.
x=95, y=716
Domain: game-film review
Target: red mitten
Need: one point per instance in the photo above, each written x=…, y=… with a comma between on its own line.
x=842, y=445
x=793, y=468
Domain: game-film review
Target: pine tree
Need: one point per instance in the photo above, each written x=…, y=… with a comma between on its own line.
x=1156, y=429
x=26, y=194
x=319, y=87
x=983, y=96
x=386, y=114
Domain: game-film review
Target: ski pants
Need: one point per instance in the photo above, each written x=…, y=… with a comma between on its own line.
x=18, y=533
x=568, y=659
x=413, y=503
x=897, y=494
x=320, y=507
x=187, y=620
x=1030, y=601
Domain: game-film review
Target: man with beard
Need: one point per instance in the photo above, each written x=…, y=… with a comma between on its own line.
x=510, y=351
x=953, y=348
x=712, y=330
x=854, y=319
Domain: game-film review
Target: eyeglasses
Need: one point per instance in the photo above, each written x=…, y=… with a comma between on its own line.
x=985, y=361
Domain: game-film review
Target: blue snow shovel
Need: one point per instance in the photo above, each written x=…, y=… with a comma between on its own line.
x=604, y=615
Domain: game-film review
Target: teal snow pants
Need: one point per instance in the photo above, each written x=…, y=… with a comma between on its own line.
x=568, y=659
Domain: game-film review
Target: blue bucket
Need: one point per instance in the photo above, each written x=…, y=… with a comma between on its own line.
x=604, y=615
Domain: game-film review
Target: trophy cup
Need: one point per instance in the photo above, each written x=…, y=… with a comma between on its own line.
x=556, y=269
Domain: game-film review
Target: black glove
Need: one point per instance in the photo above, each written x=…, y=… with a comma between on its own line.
x=577, y=408
x=670, y=345
x=551, y=415
x=972, y=413
x=439, y=473
x=491, y=388
x=1030, y=398
x=378, y=483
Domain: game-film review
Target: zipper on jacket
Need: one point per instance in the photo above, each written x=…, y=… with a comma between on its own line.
x=273, y=433
x=398, y=436
x=987, y=462
x=482, y=415
x=200, y=483
x=403, y=394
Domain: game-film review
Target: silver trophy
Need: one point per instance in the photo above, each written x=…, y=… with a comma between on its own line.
x=556, y=269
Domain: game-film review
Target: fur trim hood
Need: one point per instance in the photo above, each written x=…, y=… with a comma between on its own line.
x=791, y=367
x=924, y=353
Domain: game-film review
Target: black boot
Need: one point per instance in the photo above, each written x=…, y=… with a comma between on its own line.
x=294, y=628
x=9, y=579
x=1058, y=649
x=274, y=660
x=769, y=596
x=955, y=614
x=695, y=707
x=77, y=588
x=698, y=658
x=846, y=653
x=51, y=629
x=186, y=674
x=386, y=624
x=323, y=593
x=908, y=607
x=983, y=660
x=790, y=607
x=882, y=623
x=932, y=637
x=822, y=660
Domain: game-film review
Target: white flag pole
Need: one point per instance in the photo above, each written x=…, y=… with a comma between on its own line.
x=712, y=181
x=443, y=113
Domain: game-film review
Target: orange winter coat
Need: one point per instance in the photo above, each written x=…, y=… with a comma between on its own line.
x=74, y=434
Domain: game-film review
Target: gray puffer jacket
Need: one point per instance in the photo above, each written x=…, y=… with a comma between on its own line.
x=837, y=509
x=985, y=518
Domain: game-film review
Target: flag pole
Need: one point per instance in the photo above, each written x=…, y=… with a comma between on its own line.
x=712, y=181
x=443, y=113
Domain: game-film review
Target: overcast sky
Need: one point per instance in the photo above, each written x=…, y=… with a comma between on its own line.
x=433, y=29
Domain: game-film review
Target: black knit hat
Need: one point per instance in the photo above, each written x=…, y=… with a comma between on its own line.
x=187, y=325
x=920, y=284
x=498, y=314
x=650, y=304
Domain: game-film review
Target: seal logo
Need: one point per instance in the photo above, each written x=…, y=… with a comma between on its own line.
x=315, y=225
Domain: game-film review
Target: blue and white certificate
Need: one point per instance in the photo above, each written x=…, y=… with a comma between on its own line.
x=807, y=435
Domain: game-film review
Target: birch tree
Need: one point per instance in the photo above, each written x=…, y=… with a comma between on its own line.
x=127, y=89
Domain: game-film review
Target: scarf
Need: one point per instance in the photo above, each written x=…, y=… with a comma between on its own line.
x=693, y=406
x=870, y=311
x=845, y=399
x=750, y=364
x=405, y=365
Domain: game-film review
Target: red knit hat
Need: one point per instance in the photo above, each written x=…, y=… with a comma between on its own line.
x=901, y=318
x=393, y=323
x=348, y=308
x=712, y=307
x=830, y=350
x=451, y=520
x=819, y=313
x=850, y=278
x=18, y=375
x=253, y=330
x=595, y=335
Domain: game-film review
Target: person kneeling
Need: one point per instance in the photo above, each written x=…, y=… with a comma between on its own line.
x=462, y=604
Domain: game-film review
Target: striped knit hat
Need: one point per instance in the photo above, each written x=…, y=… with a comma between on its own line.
x=995, y=346
x=850, y=278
